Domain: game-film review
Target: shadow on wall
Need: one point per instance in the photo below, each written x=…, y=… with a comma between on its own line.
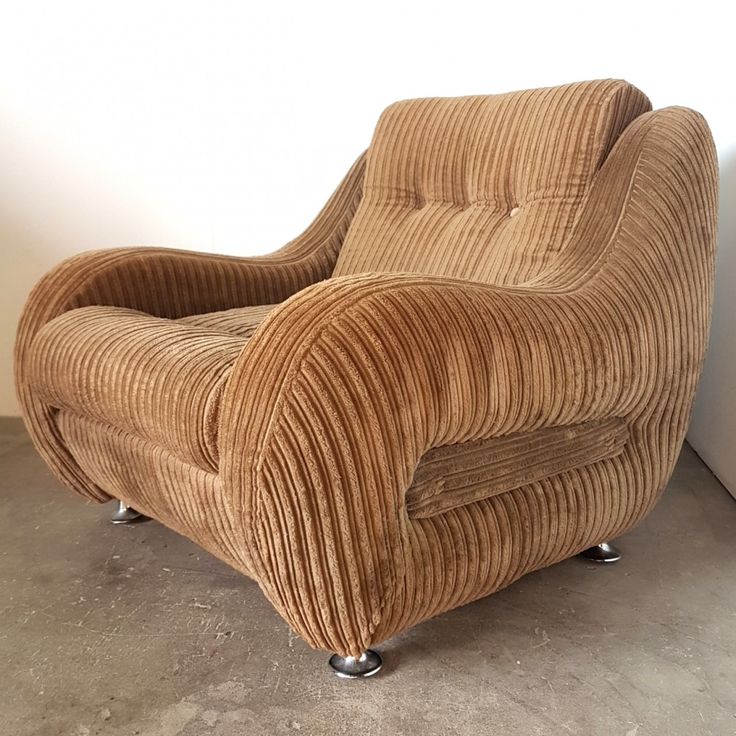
x=713, y=426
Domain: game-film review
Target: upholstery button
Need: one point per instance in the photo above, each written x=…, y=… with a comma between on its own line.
x=514, y=211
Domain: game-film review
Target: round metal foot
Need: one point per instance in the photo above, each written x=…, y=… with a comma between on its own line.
x=352, y=667
x=603, y=552
x=124, y=514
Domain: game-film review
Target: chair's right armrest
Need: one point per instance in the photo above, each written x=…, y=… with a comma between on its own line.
x=348, y=384
x=342, y=391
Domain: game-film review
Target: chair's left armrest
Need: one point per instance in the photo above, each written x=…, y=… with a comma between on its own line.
x=172, y=283
x=161, y=282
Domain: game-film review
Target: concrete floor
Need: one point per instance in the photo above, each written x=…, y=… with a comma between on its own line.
x=134, y=630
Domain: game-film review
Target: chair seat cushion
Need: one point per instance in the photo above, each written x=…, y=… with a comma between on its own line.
x=242, y=321
x=160, y=379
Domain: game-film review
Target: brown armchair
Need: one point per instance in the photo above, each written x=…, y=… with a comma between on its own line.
x=479, y=360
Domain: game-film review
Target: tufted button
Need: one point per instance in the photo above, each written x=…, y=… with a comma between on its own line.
x=514, y=211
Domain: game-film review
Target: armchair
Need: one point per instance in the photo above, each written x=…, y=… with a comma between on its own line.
x=478, y=361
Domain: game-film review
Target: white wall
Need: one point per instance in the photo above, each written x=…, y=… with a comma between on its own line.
x=224, y=126
x=713, y=428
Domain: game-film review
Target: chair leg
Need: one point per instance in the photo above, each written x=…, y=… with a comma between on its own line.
x=124, y=514
x=353, y=667
x=603, y=552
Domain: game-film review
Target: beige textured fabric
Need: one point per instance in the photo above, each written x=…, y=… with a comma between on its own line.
x=160, y=380
x=157, y=483
x=173, y=284
x=242, y=321
x=484, y=188
x=455, y=475
x=392, y=445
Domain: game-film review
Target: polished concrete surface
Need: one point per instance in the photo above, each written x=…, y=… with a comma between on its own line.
x=134, y=630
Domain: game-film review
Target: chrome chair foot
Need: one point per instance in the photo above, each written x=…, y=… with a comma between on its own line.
x=124, y=514
x=353, y=667
x=603, y=552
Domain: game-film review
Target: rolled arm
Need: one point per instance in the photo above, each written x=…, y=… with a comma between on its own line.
x=172, y=283
x=347, y=385
x=324, y=424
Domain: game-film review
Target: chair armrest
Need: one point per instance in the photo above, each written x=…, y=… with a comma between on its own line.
x=346, y=385
x=344, y=388
x=173, y=283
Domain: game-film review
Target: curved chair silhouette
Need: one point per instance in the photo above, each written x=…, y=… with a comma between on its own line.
x=478, y=360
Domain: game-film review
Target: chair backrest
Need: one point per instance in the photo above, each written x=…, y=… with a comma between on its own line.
x=483, y=188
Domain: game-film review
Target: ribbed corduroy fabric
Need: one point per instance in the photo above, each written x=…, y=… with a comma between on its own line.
x=451, y=476
x=172, y=284
x=391, y=445
x=160, y=380
x=483, y=188
x=192, y=500
x=243, y=321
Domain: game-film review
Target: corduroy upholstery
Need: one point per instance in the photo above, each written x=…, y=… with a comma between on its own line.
x=479, y=360
x=483, y=188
